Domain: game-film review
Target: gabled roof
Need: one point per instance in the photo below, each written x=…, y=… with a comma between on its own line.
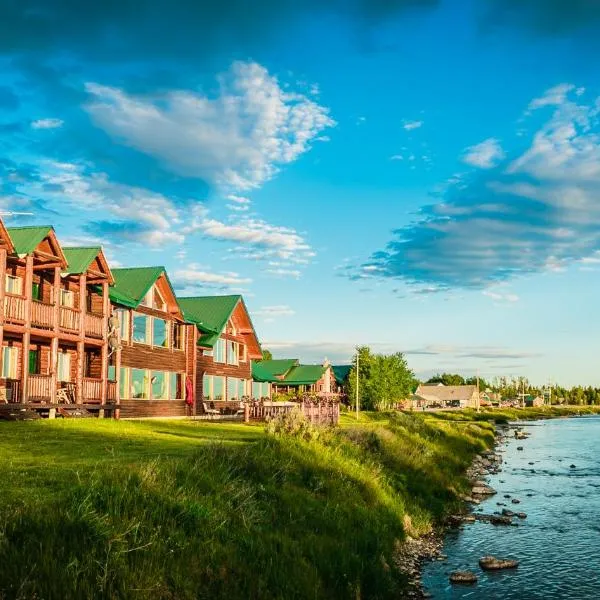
x=5, y=240
x=80, y=259
x=277, y=368
x=132, y=284
x=259, y=373
x=209, y=313
x=341, y=373
x=304, y=374
x=446, y=392
x=26, y=239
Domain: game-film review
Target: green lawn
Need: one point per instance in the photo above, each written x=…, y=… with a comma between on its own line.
x=180, y=509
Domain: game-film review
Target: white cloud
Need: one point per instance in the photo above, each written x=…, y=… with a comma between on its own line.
x=484, y=155
x=553, y=97
x=500, y=297
x=397, y=157
x=196, y=277
x=281, y=272
x=47, y=123
x=236, y=140
x=271, y=313
x=410, y=125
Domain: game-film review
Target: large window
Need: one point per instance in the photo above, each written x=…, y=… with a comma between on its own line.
x=139, y=384
x=123, y=315
x=175, y=386
x=124, y=389
x=218, y=388
x=219, y=351
x=232, y=388
x=160, y=333
x=178, y=336
x=160, y=390
x=10, y=362
x=260, y=390
x=241, y=388
x=232, y=353
x=13, y=285
x=140, y=329
x=64, y=366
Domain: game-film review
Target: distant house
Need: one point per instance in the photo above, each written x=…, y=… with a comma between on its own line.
x=442, y=396
x=531, y=401
x=288, y=375
x=341, y=374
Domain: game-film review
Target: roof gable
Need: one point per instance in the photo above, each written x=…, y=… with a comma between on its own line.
x=84, y=260
x=341, y=372
x=277, y=368
x=39, y=240
x=305, y=374
x=5, y=241
x=132, y=284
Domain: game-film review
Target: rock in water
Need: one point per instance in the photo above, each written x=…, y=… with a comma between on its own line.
x=572, y=467
x=508, y=513
x=491, y=563
x=516, y=501
x=463, y=577
x=483, y=490
x=522, y=515
x=500, y=520
x=519, y=447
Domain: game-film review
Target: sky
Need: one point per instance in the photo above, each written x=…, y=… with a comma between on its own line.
x=420, y=176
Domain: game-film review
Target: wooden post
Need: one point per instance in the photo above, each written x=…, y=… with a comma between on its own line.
x=81, y=342
x=2, y=287
x=27, y=333
x=105, y=316
x=246, y=412
x=54, y=342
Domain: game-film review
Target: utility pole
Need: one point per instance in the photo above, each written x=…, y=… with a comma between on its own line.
x=478, y=397
x=357, y=379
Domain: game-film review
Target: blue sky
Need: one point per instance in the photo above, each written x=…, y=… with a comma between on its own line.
x=417, y=175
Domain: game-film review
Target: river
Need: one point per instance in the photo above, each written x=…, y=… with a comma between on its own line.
x=558, y=544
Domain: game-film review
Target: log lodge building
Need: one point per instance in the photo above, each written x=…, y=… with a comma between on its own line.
x=76, y=335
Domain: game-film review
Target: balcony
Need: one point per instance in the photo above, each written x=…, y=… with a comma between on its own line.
x=91, y=391
x=69, y=318
x=14, y=308
x=42, y=314
x=94, y=325
x=40, y=388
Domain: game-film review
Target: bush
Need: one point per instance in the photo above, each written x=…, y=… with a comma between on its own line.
x=292, y=423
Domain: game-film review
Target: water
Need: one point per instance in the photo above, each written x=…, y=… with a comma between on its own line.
x=558, y=545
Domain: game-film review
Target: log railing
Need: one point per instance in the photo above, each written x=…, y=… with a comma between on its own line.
x=94, y=325
x=69, y=318
x=14, y=307
x=42, y=314
x=40, y=388
x=111, y=391
x=322, y=412
x=91, y=390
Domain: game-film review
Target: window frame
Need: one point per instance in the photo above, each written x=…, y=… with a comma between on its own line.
x=147, y=329
x=146, y=384
x=63, y=361
x=10, y=358
x=9, y=281
x=64, y=294
x=167, y=342
x=217, y=357
x=124, y=316
x=232, y=351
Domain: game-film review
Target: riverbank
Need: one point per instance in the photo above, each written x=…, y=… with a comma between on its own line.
x=104, y=509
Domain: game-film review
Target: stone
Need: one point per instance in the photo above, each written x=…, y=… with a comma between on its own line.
x=483, y=490
x=572, y=467
x=522, y=515
x=491, y=563
x=508, y=513
x=530, y=463
x=516, y=501
x=465, y=577
x=500, y=520
x=519, y=447
x=507, y=495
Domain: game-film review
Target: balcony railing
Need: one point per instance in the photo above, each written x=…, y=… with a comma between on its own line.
x=42, y=314
x=14, y=307
x=69, y=318
x=94, y=325
x=111, y=391
x=92, y=390
x=40, y=388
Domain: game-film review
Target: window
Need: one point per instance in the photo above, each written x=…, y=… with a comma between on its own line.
x=207, y=386
x=218, y=388
x=232, y=388
x=64, y=366
x=175, y=387
x=241, y=389
x=232, y=353
x=112, y=373
x=139, y=384
x=13, y=285
x=260, y=390
x=242, y=353
x=140, y=329
x=123, y=315
x=160, y=333
x=219, y=351
x=160, y=390
x=178, y=336
x=36, y=291
x=158, y=301
x=34, y=362
x=208, y=352
x=124, y=389
x=231, y=330
x=66, y=298
x=10, y=362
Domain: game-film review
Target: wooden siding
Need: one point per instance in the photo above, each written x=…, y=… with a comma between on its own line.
x=152, y=408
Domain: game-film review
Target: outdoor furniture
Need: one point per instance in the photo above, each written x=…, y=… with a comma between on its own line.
x=210, y=411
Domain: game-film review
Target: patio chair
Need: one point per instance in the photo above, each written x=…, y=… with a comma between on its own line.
x=210, y=411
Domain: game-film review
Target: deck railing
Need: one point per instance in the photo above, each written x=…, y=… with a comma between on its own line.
x=69, y=318
x=40, y=388
x=42, y=314
x=111, y=391
x=14, y=307
x=92, y=390
x=94, y=325
x=322, y=412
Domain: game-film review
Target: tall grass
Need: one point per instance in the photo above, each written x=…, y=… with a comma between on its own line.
x=194, y=511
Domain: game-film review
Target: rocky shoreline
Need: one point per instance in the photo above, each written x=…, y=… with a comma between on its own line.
x=415, y=552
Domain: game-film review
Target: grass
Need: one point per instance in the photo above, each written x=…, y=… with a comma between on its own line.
x=179, y=509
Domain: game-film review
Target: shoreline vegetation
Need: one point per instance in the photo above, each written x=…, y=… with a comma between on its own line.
x=181, y=509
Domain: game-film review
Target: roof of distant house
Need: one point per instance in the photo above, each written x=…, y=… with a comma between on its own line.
x=446, y=392
x=304, y=375
x=275, y=369
x=341, y=373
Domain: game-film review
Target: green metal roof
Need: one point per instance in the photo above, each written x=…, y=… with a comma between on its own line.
x=277, y=368
x=210, y=313
x=27, y=239
x=208, y=340
x=79, y=259
x=304, y=375
x=131, y=285
x=341, y=372
x=259, y=373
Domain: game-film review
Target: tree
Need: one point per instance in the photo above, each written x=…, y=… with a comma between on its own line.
x=384, y=379
x=483, y=384
x=447, y=379
x=266, y=355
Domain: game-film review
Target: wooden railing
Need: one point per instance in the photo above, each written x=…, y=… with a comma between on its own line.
x=69, y=318
x=111, y=391
x=42, y=314
x=40, y=388
x=10, y=392
x=323, y=412
x=94, y=325
x=92, y=390
x=14, y=307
